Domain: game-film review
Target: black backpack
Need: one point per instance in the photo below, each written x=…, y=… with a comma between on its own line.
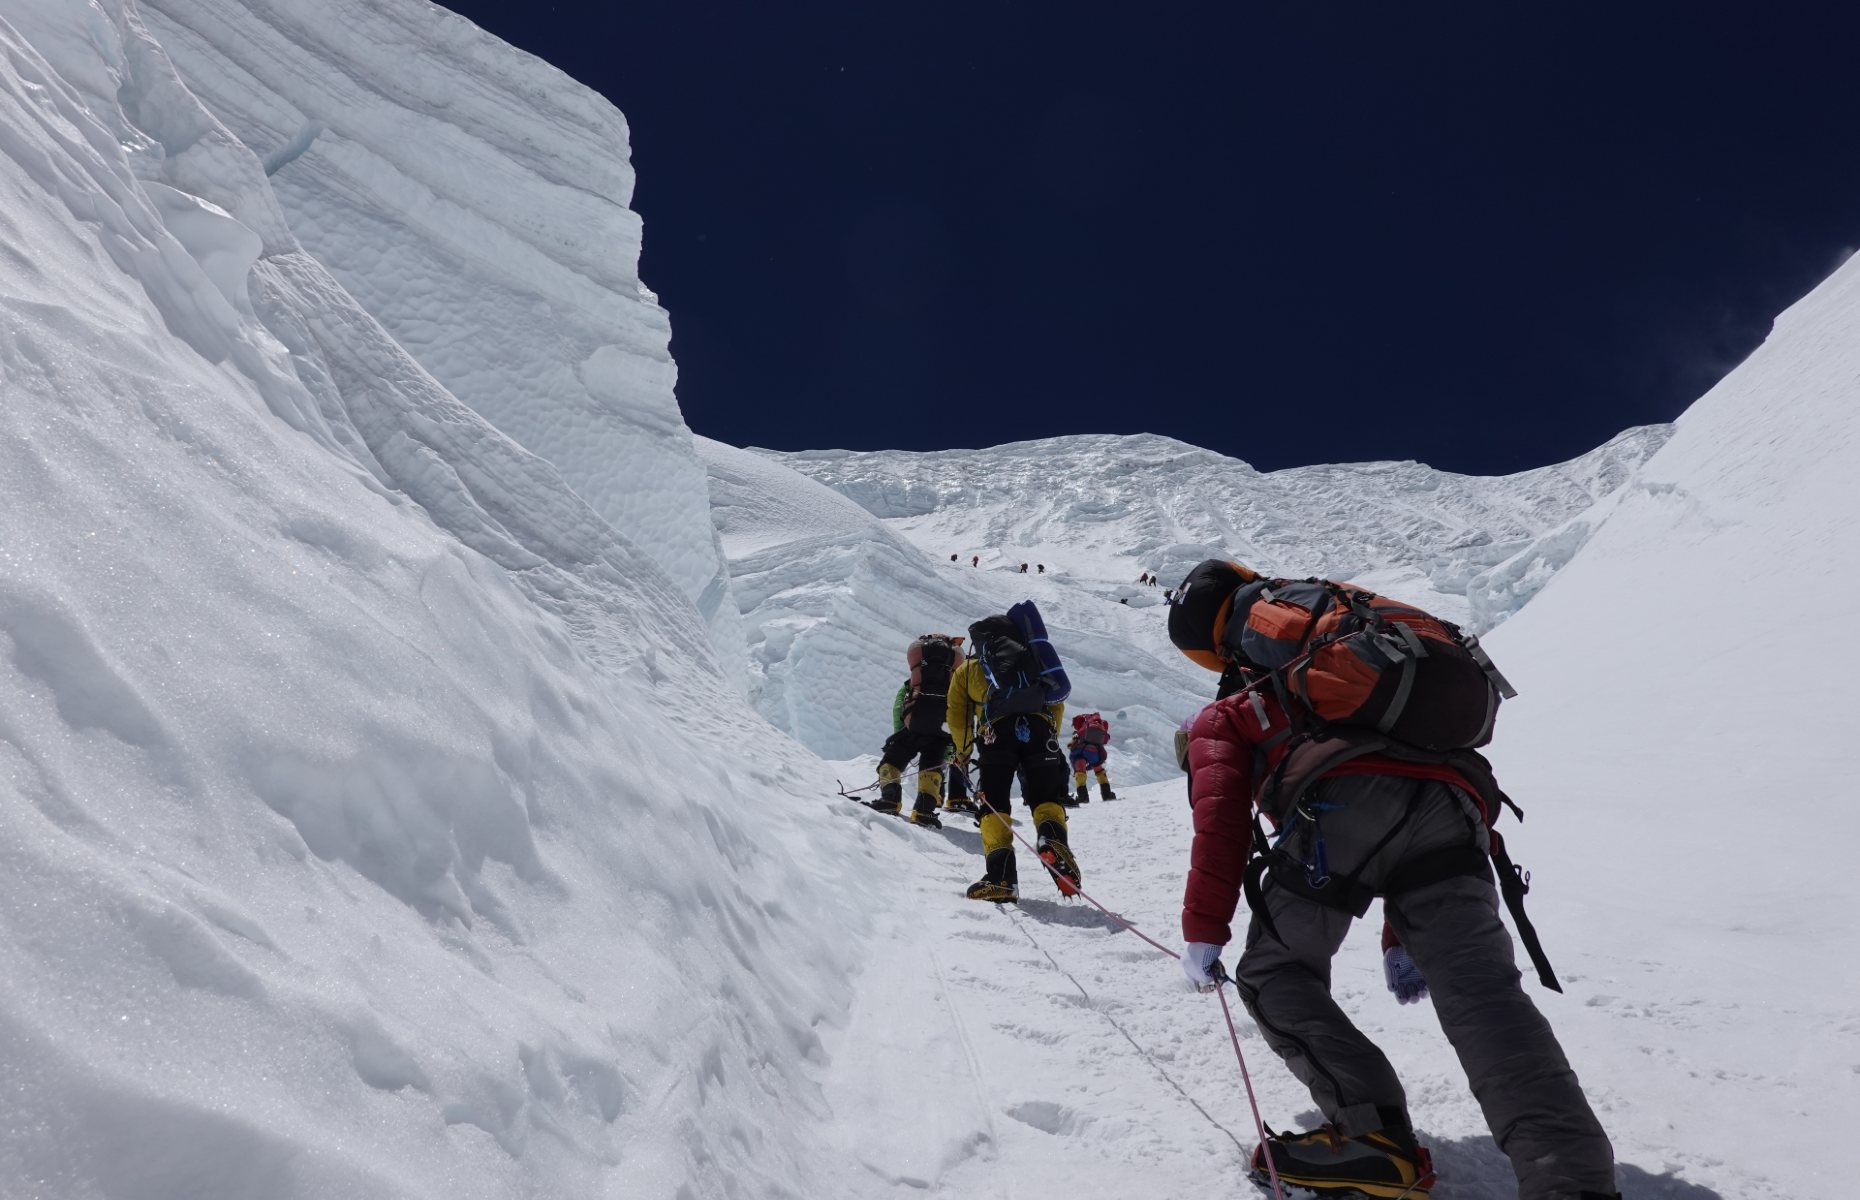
x=933, y=659
x=1011, y=668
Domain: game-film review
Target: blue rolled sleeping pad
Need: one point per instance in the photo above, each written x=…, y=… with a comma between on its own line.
x=1027, y=619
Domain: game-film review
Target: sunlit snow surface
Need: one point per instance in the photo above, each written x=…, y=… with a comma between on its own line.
x=1108, y=509
x=379, y=817
x=474, y=201
x=365, y=827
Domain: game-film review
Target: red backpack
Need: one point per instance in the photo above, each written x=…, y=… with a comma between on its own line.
x=1091, y=729
x=1341, y=655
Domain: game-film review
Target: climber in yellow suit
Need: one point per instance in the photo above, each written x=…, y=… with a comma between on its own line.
x=1011, y=732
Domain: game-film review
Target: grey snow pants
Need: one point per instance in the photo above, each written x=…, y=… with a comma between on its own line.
x=1523, y=1083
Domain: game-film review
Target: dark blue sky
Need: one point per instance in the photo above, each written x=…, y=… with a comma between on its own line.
x=1483, y=235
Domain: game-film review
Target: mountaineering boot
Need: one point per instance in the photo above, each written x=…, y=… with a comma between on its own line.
x=890, y=797
x=1080, y=796
x=1000, y=881
x=1058, y=857
x=1104, y=790
x=925, y=812
x=961, y=804
x=1386, y=1163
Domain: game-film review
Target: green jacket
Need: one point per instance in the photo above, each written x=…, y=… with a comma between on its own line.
x=897, y=706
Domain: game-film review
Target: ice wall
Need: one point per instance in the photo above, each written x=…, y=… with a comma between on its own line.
x=367, y=827
x=473, y=199
x=1116, y=507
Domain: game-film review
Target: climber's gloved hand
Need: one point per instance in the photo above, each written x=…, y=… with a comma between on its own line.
x=1404, y=978
x=1201, y=962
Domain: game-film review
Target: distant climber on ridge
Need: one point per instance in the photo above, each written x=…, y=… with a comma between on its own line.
x=1023, y=568
x=1090, y=745
x=975, y=560
x=1393, y=800
x=1008, y=698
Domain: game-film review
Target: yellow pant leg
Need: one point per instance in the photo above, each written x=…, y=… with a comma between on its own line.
x=1078, y=777
x=1102, y=779
x=996, y=833
x=1049, y=812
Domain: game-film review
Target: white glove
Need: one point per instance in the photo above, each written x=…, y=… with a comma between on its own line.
x=1201, y=962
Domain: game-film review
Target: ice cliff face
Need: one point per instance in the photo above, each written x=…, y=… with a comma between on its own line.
x=361, y=800
x=840, y=558
x=1154, y=504
x=474, y=201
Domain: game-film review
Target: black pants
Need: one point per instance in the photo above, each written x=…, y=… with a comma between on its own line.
x=1038, y=760
x=929, y=749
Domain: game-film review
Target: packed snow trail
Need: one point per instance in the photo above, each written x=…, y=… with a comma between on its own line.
x=1040, y=1049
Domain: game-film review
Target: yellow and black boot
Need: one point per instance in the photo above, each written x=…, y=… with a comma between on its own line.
x=1387, y=1163
x=1000, y=881
x=956, y=797
x=929, y=792
x=1079, y=795
x=1050, y=820
x=890, y=789
x=1104, y=786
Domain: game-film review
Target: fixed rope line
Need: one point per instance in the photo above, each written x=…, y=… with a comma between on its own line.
x=1221, y=979
x=1015, y=920
x=1259, y=1122
x=879, y=783
x=1104, y=1015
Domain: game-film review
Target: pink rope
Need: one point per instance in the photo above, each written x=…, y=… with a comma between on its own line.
x=1220, y=990
x=1259, y=1123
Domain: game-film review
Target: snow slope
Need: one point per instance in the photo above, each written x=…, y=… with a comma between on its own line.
x=1686, y=724
x=1111, y=508
x=474, y=200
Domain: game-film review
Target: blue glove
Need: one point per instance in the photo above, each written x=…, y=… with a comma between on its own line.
x=1404, y=978
x=1201, y=962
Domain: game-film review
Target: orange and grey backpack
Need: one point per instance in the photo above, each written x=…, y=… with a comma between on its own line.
x=933, y=658
x=1337, y=654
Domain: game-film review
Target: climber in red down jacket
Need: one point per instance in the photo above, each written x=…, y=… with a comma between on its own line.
x=1374, y=825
